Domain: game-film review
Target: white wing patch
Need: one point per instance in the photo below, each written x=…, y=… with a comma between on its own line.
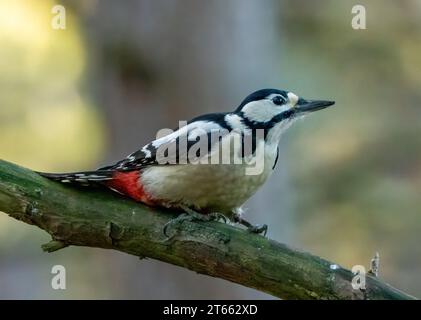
x=147, y=152
x=235, y=122
x=147, y=155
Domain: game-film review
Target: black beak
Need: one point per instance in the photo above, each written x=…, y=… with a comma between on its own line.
x=312, y=105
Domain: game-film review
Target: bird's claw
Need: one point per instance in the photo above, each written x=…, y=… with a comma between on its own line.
x=191, y=215
x=216, y=216
x=258, y=229
x=180, y=219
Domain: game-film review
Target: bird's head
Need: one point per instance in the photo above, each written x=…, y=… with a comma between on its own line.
x=275, y=110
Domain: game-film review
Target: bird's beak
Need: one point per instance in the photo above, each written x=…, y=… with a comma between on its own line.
x=312, y=105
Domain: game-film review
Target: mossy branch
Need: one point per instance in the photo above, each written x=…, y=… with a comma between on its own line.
x=98, y=218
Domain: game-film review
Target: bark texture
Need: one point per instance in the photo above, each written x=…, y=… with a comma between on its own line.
x=99, y=218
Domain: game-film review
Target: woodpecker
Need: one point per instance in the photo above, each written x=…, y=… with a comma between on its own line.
x=163, y=174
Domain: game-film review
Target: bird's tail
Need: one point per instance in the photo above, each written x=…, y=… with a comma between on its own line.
x=84, y=178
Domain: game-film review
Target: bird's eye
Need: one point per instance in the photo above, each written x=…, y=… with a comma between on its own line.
x=278, y=100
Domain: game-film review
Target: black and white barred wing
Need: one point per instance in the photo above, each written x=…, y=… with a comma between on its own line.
x=189, y=144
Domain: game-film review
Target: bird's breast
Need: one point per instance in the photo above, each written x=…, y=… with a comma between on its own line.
x=207, y=187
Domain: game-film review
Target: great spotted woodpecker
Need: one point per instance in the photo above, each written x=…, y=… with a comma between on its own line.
x=163, y=173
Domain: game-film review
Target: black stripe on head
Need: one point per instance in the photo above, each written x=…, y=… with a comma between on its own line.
x=279, y=118
x=266, y=126
x=260, y=95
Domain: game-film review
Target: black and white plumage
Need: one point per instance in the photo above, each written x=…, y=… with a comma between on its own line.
x=177, y=171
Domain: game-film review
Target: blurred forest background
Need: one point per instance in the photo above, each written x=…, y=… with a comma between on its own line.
x=349, y=178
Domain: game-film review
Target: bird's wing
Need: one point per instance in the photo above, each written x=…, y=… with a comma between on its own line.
x=177, y=147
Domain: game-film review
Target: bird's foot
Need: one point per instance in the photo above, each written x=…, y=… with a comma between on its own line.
x=214, y=216
x=196, y=215
x=258, y=229
x=191, y=215
x=176, y=221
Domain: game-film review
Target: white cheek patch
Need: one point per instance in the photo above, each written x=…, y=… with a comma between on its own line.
x=262, y=111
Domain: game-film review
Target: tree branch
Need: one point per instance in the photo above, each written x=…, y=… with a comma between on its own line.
x=98, y=218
